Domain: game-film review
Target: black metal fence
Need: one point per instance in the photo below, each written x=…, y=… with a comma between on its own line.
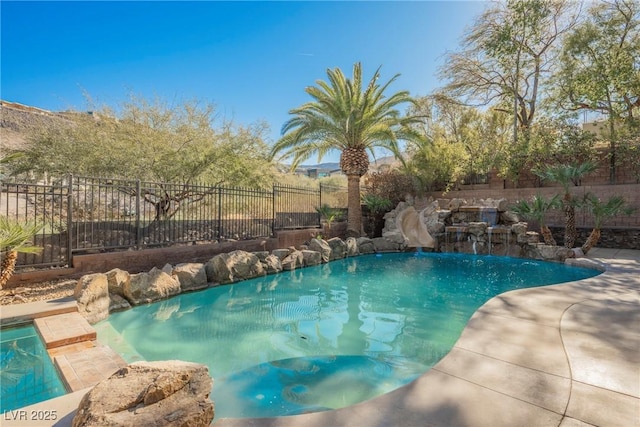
x=84, y=215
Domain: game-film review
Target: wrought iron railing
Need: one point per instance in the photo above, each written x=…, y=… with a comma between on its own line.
x=86, y=215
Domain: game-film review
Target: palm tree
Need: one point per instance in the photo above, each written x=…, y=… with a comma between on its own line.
x=15, y=237
x=567, y=175
x=537, y=210
x=347, y=117
x=601, y=212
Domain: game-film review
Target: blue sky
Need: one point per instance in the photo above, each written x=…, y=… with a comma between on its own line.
x=251, y=59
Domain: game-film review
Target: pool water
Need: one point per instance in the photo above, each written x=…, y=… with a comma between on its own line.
x=27, y=375
x=328, y=336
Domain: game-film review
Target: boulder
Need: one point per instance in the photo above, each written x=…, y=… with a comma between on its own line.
x=443, y=215
x=554, y=253
x=292, y=261
x=152, y=286
x=477, y=229
x=321, y=246
x=118, y=279
x=519, y=228
x=191, y=276
x=352, y=246
x=502, y=205
x=382, y=244
x=396, y=237
x=338, y=248
x=509, y=218
x=166, y=393
x=532, y=237
x=365, y=245
x=272, y=264
x=455, y=204
x=311, y=257
x=262, y=255
x=118, y=303
x=281, y=253
x=92, y=295
x=233, y=267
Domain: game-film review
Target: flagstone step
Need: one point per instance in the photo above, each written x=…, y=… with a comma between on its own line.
x=86, y=368
x=64, y=329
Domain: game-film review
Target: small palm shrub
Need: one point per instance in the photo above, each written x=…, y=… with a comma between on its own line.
x=15, y=238
x=603, y=211
x=536, y=210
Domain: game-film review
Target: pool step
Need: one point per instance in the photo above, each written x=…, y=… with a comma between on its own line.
x=87, y=367
x=64, y=329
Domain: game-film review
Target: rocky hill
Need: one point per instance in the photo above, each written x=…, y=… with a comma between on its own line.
x=17, y=121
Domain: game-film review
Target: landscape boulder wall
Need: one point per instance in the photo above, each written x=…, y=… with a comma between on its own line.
x=166, y=393
x=233, y=267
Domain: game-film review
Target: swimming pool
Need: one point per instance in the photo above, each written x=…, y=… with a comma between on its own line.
x=328, y=336
x=27, y=375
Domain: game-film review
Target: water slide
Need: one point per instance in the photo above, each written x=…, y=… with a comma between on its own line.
x=412, y=225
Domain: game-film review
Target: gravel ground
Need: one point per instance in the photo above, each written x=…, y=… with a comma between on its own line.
x=41, y=291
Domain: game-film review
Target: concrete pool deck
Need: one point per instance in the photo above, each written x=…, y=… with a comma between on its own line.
x=563, y=355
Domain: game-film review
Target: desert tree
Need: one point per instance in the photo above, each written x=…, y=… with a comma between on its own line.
x=506, y=56
x=600, y=70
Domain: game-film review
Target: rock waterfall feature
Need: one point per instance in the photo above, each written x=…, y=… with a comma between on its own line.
x=484, y=227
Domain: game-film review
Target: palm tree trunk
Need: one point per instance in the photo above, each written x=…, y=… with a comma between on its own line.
x=570, y=222
x=354, y=215
x=547, y=235
x=592, y=240
x=7, y=267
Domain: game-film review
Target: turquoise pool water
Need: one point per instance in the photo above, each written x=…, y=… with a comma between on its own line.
x=27, y=375
x=328, y=336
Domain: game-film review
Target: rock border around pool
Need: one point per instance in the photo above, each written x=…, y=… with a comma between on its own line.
x=100, y=294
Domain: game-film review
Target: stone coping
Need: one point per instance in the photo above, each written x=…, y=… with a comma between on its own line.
x=563, y=355
x=19, y=314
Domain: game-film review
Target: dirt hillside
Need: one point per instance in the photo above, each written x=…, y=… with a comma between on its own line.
x=17, y=121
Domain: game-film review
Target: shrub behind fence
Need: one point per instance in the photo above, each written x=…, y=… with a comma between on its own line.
x=84, y=214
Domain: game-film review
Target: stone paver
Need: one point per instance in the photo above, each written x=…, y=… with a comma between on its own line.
x=86, y=368
x=64, y=329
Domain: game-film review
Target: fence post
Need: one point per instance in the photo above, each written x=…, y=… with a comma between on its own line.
x=273, y=208
x=219, y=214
x=69, y=220
x=320, y=197
x=138, y=230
